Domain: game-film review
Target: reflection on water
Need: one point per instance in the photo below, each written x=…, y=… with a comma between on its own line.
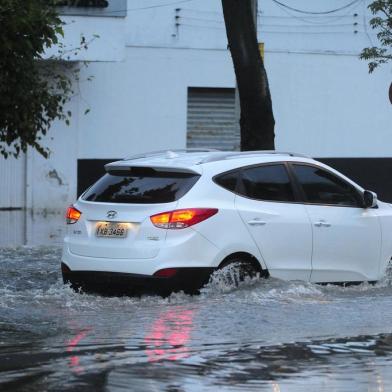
x=275, y=387
x=74, y=360
x=169, y=335
x=266, y=336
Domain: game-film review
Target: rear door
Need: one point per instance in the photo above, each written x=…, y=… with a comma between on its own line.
x=266, y=201
x=346, y=236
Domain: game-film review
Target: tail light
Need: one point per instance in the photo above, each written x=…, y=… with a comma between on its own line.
x=72, y=215
x=180, y=219
x=166, y=273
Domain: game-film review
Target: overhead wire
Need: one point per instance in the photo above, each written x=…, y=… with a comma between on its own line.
x=317, y=19
x=365, y=24
x=313, y=19
x=316, y=12
x=261, y=14
x=315, y=15
x=200, y=11
x=159, y=5
x=216, y=21
x=312, y=13
x=198, y=26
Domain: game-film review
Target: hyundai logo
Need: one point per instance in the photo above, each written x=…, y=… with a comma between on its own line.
x=111, y=214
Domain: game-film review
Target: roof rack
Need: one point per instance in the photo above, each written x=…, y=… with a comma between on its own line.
x=217, y=155
x=222, y=155
x=168, y=152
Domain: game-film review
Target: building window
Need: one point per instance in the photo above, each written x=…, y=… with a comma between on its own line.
x=211, y=119
x=111, y=8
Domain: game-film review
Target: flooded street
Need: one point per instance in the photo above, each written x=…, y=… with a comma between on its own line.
x=265, y=336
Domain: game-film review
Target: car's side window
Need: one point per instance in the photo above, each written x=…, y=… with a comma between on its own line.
x=228, y=180
x=323, y=187
x=266, y=182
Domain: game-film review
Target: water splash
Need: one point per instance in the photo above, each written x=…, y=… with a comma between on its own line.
x=229, y=278
x=32, y=274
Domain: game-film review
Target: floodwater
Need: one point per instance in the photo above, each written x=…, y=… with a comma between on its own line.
x=267, y=335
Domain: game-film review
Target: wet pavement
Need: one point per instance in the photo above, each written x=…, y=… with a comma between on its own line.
x=267, y=335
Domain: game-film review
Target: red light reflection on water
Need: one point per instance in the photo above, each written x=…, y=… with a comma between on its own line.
x=74, y=361
x=169, y=334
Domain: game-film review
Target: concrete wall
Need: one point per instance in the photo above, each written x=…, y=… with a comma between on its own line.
x=143, y=100
x=329, y=106
x=325, y=102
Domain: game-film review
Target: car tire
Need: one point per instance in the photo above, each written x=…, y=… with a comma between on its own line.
x=236, y=270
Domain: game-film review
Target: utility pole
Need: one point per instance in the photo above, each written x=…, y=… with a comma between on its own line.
x=237, y=109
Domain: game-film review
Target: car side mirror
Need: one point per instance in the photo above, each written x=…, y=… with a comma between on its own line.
x=369, y=199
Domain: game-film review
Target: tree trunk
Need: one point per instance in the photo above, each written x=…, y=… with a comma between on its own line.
x=257, y=118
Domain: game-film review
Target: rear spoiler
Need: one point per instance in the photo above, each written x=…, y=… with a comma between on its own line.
x=120, y=167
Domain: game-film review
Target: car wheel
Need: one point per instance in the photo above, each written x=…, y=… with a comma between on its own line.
x=235, y=271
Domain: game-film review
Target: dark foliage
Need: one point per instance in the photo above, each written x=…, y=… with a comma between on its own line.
x=33, y=91
x=382, y=22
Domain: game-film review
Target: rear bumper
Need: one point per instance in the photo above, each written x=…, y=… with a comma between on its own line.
x=187, y=249
x=189, y=280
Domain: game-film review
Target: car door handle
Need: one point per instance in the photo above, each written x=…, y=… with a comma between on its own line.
x=322, y=223
x=256, y=222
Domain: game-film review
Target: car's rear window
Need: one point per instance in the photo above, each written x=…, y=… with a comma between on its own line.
x=141, y=185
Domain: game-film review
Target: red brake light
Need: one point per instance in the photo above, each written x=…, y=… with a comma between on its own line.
x=72, y=215
x=180, y=219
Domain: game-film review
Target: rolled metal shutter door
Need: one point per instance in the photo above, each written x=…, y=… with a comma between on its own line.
x=12, y=201
x=211, y=119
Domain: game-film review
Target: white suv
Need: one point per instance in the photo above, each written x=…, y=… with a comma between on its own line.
x=165, y=221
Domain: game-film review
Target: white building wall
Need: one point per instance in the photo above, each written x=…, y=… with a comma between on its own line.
x=51, y=183
x=325, y=102
x=329, y=106
x=143, y=100
x=104, y=37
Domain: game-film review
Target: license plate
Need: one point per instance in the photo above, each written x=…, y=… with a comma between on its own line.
x=111, y=230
